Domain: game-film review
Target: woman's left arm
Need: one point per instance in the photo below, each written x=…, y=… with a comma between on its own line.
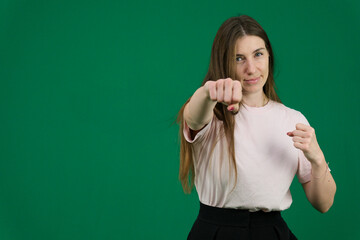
x=320, y=191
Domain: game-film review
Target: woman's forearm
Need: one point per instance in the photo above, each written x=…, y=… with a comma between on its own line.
x=320, y=191
x=199, y=110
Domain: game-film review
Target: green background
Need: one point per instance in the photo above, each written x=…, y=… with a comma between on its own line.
x=89, y=91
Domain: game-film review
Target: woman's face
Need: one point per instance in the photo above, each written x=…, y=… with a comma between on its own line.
x=252, y=63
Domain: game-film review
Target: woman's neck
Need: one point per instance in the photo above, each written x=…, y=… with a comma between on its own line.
x=255, y=99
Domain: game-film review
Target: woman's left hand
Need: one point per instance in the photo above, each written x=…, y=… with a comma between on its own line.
x=304, y=138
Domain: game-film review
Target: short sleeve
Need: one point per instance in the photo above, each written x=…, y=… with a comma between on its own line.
x=304, y=169
x=200, y=135
x=304, y=166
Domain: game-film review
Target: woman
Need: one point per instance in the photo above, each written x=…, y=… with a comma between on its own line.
x=241, y=147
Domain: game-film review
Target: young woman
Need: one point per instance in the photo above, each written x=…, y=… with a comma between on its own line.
x=241, y=147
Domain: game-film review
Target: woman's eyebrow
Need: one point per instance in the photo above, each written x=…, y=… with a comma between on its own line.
x=253, y=51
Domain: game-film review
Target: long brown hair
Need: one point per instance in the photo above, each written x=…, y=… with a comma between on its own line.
x=222, y=65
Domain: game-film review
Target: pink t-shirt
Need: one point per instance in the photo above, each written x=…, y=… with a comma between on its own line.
x=266, y=160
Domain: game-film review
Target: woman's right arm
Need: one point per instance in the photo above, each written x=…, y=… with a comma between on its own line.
x=199, y=110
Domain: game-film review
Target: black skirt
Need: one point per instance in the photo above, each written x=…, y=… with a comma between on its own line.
x=227, y=224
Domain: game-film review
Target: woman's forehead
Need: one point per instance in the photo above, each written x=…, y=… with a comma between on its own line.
x=248, y=44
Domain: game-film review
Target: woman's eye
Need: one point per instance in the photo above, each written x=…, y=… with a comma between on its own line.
x=258, y=54
x=238, y=59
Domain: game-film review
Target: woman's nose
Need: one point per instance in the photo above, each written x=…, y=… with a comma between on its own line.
x=250, y=67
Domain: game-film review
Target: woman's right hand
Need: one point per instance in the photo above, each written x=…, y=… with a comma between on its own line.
x=225, y=91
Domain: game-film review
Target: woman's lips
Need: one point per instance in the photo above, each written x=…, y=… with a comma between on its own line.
x=252, y=80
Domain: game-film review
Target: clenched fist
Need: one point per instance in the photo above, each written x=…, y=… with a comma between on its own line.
x=304, y=138
x=226, y=91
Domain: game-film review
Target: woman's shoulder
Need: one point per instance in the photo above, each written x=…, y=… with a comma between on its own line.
x=288, y=111
x=277, y=106
x=281, y=106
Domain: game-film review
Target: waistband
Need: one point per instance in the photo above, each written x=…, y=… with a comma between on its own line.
x=237, y=217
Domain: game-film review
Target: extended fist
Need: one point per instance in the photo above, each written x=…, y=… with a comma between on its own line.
x=226, y=91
